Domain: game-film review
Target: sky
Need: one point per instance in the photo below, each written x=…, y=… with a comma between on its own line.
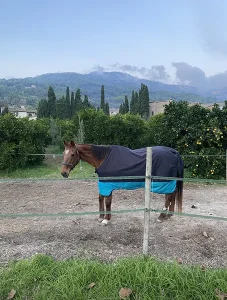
x=169, y=41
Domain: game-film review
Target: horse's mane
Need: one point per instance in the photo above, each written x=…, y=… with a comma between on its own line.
x=100, y=152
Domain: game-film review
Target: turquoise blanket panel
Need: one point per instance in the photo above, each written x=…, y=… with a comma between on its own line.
x=106, y=188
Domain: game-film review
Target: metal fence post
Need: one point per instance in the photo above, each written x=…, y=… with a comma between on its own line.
x=147, y=200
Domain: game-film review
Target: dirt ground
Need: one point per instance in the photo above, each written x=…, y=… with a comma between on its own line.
x=196, y=241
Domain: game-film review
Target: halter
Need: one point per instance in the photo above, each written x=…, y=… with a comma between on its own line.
x=76, y=162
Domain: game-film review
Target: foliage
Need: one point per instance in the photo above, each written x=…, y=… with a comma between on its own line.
x=198, y=133
x=42, y=277
x=51, y=102
x=124, y=107
x=18, y=139
x=139, y=103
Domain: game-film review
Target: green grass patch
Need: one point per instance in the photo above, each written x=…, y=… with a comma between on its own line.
x=42, y=278
x=48, y=171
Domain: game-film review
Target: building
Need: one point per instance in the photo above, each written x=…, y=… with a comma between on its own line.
x=23, y=112
x=157, y=107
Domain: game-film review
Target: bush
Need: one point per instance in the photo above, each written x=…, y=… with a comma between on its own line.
x=18, y=139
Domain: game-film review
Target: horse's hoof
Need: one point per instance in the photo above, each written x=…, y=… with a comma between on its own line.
x=105, y=222
x=159, y=220
x=100, y=220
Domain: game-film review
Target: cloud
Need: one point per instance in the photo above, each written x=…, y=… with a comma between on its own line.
x=98, y=68
x=187, y=74
x=156, y=73
x=194, y=76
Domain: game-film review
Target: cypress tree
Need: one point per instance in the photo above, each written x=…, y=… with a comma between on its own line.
x=102, y=103
x=132, y=104
x=67, y=100
x=51, y=102
x=144, y=101
x=78, y=101
x=43, y=110
x=126, y=105
x=61, y=108
x=86, y=103
x=107, y=109
x=137, y=104
x=72, y=104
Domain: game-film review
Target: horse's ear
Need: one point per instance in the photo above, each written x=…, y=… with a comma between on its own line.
x=65, y=143
x=72, y=143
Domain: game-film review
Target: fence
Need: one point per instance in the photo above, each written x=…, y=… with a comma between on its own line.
x=146, y=209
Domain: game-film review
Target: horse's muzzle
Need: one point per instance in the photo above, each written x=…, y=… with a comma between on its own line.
x=65, y=174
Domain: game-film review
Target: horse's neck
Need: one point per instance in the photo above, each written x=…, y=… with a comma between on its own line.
x=88, y=154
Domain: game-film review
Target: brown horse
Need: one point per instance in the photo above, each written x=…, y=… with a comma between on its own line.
x=114, y=161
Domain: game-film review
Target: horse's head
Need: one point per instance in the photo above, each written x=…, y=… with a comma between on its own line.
x=71, y=158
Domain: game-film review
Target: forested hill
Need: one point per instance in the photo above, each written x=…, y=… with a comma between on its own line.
x=30, y=90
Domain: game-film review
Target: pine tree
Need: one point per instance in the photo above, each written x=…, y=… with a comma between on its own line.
x=102, y=103
x=51, y=102
x=67, y=100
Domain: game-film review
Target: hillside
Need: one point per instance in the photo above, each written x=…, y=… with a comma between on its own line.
x=30, y=90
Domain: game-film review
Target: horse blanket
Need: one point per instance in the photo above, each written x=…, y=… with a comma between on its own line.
x=122, y=161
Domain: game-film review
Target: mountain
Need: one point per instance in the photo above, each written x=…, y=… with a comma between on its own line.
x=31, y=89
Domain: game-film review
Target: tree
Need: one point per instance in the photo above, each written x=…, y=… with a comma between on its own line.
x=43, y=109
x=62, y=108
x=144, y=107
x=102, y=103
x=126, y=105
x=86, y=103
x=72, y=104
x=133, y=109
x=67, y=101
x=107, y=109
x=78, y=101
x=51, y=102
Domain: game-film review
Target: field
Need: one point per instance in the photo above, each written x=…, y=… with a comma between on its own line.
x=190, y=241
x=195, y=241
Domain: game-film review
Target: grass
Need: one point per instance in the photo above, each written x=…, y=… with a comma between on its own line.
x=48, y=171
x=42, y=278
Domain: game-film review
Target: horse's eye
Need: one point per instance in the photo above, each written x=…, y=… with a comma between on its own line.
x=73, y=154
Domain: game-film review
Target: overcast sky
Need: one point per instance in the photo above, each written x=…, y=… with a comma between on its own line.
x=169, y=41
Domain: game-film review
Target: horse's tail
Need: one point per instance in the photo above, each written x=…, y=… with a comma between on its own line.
x=179, y=190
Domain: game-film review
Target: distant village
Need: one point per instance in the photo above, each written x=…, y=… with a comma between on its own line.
x=156, y=107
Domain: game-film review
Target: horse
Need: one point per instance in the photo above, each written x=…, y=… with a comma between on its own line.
x=114, y=161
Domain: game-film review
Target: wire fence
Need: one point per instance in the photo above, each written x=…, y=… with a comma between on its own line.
x=146, y=209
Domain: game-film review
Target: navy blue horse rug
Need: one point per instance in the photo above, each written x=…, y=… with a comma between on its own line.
x=122, y=161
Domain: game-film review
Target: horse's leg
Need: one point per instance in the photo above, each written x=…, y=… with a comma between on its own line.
x=162, y=216
x=101, y=207
x=172, y=198
x=108, y=201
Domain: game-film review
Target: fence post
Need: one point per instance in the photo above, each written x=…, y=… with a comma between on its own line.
x=147, y=200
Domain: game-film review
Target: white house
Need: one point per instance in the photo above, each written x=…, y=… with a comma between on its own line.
x=23, y=112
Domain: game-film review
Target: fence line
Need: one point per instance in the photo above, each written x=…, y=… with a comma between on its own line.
x=202, y=180
x=148, y=178
x=88, y=213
